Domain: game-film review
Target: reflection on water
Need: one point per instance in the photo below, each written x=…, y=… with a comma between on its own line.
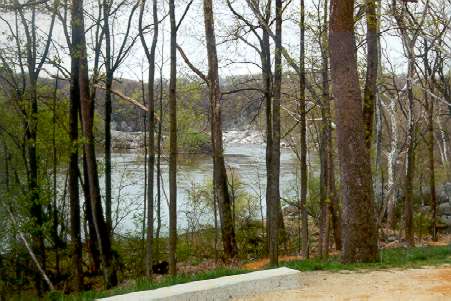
x=248, y=161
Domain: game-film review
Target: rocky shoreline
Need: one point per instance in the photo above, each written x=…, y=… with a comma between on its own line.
x=135, y=140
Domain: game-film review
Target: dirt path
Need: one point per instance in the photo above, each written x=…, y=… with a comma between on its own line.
x=412, y=284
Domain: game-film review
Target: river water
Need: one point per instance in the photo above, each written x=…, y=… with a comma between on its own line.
x=245, y=161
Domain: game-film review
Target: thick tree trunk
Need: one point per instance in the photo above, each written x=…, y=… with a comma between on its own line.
x=359, y=227
x=87, y=114
x=219, y=171
x=173, y=143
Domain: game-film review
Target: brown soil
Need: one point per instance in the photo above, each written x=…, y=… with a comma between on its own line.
x=432, y=283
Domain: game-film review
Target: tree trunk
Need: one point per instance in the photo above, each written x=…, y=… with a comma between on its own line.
x=144, y=222
x=159, y=137
x=408, y=199
x=74, y=195
x=173, y=143
x=372, y=58
x=303, y=139
x=328, y=198
x=267, y=79
x=151, y=132
x=275, y=151
x=219, y=171
x=55, y=236
x=392, y=158
x=334, y=206
x=432, y=169
x=91, y=237
x=108, y=110
x=359, y=227
x=36, y=208
x=430, y=136
x=87, y=114
x=324, y=142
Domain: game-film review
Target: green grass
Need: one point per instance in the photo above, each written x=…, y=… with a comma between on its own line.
x=143, y=284
x=390, y=258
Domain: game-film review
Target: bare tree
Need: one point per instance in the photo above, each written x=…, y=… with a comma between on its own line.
x=87, y=119
x=112, y=62
x=74, y=194
x=173, y=142
x=221, y=189
x=409, y=38
x=150, y=54
x=303, y=136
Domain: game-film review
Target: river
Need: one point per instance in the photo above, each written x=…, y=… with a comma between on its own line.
x=247, y=161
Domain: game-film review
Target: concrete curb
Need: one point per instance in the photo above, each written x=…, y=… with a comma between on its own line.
x=224, y=288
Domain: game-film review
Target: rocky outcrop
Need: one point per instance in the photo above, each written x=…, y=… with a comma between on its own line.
x=242, y=137
x=248, y=136
x=444, y=206
x=122, y=140
x=127, y=140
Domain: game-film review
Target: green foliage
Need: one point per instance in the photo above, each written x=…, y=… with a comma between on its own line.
x=51, y=125
x=192, y=130
x=194, y=142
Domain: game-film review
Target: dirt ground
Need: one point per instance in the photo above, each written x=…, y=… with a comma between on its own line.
x=432, y=283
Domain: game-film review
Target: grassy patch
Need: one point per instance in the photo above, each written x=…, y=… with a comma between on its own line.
x=389, y=258
x=143, y=284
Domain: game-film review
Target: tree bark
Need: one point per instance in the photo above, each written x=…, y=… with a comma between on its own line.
x=108, y=110
x=151, y=133
x=324, y=142
x=219, y=171
x=90, y=235
x=268, y=80
x=159, y=138
x=359, y=227
x=429, y=79
x=408, y=199
x=173, y=143
x=372, y=59
x=275, y=151
x=330, y=210
x=87, y=118
x=303, y=139
x=74, y=194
